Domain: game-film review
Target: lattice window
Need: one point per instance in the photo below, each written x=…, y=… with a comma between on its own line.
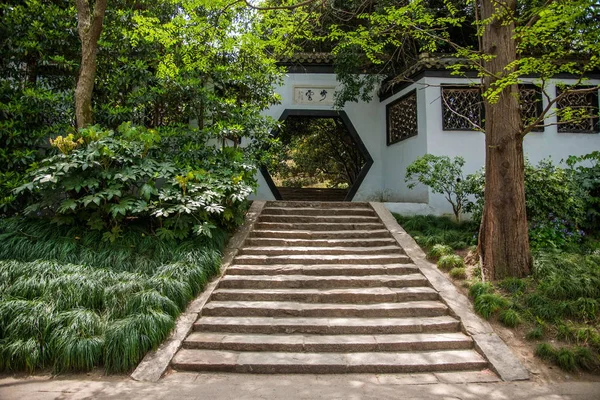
x=530, y=105
x=402, y=118
x=586, y=102
x=462, y=108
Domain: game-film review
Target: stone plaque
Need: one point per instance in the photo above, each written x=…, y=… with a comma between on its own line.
x=314, y=95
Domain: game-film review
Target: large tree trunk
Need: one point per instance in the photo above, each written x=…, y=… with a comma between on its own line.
x=503, y=237
x=89, y=26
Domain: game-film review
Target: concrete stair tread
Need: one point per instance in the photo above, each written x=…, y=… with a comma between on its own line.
x=318, y=211
x=319, y=226
x=317, y=204
x=325, y=217
x=286, y=362
x=328, y=343
x=294, y=250
x=323, y=269
x=362, y=242
x=327, y=326
x=322, y=259
x=311, y=234
x=324, y=282
x=351, y=295
x=298, y=309
x=325, y=321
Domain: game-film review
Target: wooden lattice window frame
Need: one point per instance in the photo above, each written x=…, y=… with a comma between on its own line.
x=462, y=119
x=591, y=99
x=402, y=118
x=531, y=105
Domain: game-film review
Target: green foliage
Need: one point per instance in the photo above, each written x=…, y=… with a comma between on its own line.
x=451, y=261
x=555, y=205
x=513, y=285
x=316, y=151
x=488, y=304
x=536, y=333
x=443, y=175
x=510, y=318
x=586, y=170
x=545, y=351
x=108, y=180
x=440, y=250
x=480, y=288
x=78, y=316
x=458, y=273
x=430, y=230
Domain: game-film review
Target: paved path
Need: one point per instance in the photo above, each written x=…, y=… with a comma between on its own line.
x=291, y=387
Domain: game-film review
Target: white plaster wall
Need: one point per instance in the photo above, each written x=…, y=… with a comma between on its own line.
x=471, y=145
x=398, y=156
x=364, y=116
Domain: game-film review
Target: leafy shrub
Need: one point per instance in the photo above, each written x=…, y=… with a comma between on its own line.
x=28, y=116
x=450, y=261
x=586, y=171
x=109, y=180
x=443, y=175
x=555, y=204
x=439, y=250
x=458, y=273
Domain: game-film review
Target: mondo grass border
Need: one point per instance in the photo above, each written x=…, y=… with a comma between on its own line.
x=501, y=359
x=155, y=363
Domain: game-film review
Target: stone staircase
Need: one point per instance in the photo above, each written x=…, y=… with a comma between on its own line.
x=325, y=288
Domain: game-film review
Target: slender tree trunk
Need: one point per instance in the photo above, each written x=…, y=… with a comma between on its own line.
x=89, y=26
x=503, y=237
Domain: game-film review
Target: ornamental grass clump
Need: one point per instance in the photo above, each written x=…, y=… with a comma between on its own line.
x=458, y=273
x=76, y=317
x=448, y=262
x=440, y=250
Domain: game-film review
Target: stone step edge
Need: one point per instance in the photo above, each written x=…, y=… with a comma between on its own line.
x=281, y=362
x=305, y=343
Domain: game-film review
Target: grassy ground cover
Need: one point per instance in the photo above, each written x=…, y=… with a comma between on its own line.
x=70, y=301
x=559, y=303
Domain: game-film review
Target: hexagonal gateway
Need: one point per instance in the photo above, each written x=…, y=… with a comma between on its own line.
x=322, y=157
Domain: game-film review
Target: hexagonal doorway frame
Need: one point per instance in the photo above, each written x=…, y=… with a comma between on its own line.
x=353, y=133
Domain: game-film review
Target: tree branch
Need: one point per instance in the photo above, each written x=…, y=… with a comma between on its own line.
x=290, y=7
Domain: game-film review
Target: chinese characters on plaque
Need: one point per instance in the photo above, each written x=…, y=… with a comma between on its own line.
x=314, y=95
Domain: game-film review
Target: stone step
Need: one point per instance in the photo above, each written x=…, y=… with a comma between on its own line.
x=318, y=226
x=322, y=259
x=327, y=326
x=327, y=363
x=320, y=282
x=331, y=219
x=312, y=235
x=282, y=242
x=312, y=310
x=309, y=250
x=317, y=204
x=355, y=296
x=318, y=211
x=328, y=343
x=323, y=270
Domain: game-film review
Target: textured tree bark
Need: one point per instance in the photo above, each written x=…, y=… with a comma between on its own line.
x=503, y=237
x=89, y=27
